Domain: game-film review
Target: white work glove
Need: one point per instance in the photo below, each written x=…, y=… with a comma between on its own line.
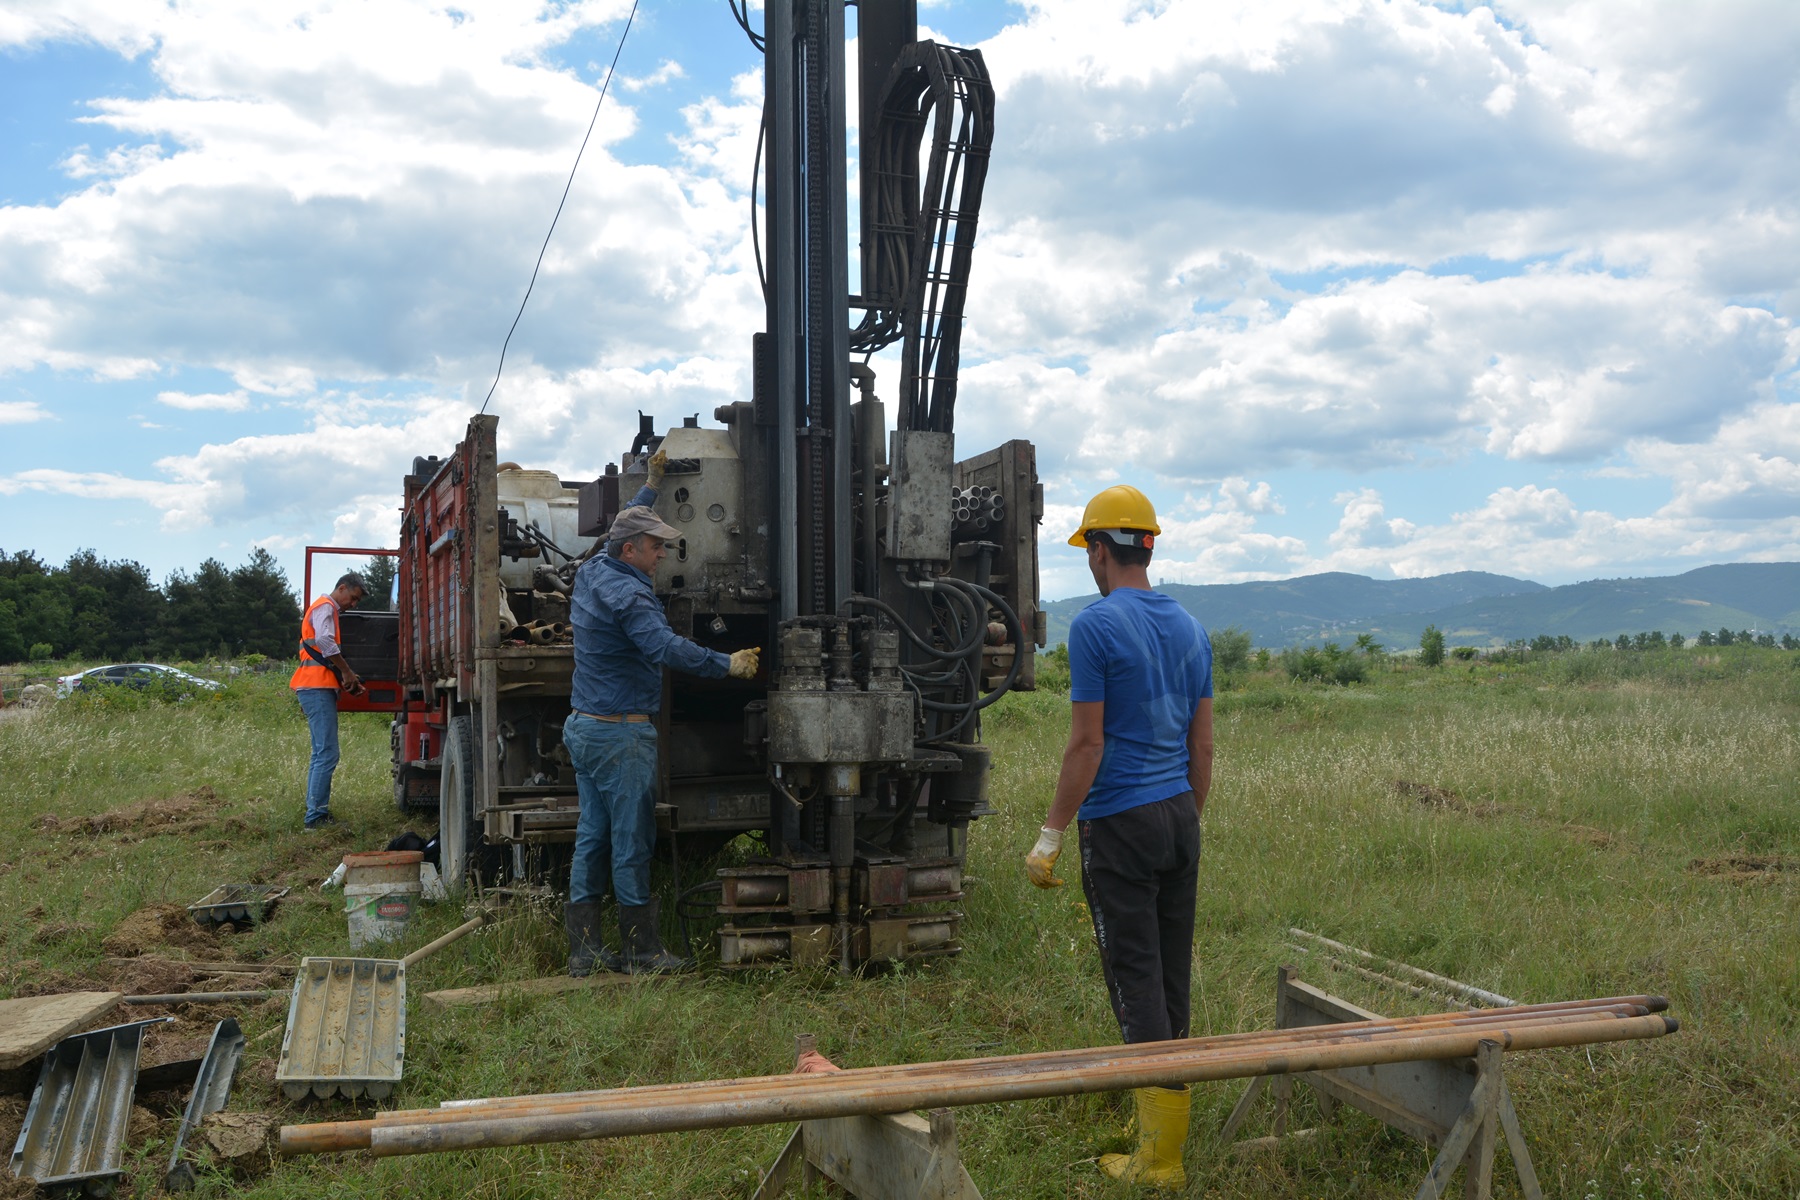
x=659, y=462
x=1041, y=862
x=744, y=663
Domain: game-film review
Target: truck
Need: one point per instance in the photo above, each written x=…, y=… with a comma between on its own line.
x=892, y=584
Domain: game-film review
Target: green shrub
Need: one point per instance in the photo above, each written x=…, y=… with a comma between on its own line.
x=1230, y=648
x=41, y=652
x=1329, y=663
x=1464, y=653
x=1431, y=646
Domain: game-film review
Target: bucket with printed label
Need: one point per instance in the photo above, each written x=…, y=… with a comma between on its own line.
x=379, y=912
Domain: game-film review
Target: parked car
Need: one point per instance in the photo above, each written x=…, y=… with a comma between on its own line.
x=136, y=675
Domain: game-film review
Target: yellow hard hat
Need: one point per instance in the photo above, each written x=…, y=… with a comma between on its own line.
x=1118, y=507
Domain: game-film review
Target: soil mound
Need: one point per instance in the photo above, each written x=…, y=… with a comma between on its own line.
x=180, y=813
x=1443, y=798
x=157, y=925
x=1745, y=868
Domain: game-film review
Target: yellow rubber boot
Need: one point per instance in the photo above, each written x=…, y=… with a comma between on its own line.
x=1162, y=1117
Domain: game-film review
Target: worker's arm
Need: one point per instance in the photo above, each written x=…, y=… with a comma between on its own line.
x=647, y=626
x=1080, y=763
x=1200, y=753
x=653, y=477
x=325, y=637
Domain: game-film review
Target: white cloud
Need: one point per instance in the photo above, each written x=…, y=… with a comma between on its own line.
x=236, y=401
x=666, y=71
x=1219, y=239
x=21, y=412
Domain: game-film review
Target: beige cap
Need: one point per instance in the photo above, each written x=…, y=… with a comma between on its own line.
x=637, y=521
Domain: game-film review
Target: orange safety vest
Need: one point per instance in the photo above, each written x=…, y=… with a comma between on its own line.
x=311, y=674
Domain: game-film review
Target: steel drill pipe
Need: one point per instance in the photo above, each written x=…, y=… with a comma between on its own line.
x=843, y=1094
x=919, y=1074
x=1616, y=1006
x=874, y=1090
x=916, y=1074
x=998, y=1067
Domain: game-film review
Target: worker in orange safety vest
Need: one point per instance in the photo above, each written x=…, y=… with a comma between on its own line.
x=323, y=671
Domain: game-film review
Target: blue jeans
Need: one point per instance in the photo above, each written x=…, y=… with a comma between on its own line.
x=320, y=707
x=615, y=773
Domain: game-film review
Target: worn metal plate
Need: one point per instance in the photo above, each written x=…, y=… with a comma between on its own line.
x=840, y=727
x=237, y=903
x=212, y=1088
x=919, y=497
x=74, y=1133
x=346, y=1029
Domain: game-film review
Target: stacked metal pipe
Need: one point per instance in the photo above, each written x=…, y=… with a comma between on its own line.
x=977, y=508
x=665, y=1108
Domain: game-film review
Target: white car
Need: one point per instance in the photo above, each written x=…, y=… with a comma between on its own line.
x=135, y=675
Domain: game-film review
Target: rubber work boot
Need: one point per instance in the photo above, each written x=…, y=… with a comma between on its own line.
x=644, y=953
x=1162, y=1118
x=582, y=922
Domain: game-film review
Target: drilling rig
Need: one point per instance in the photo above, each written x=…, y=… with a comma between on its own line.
x=893, y=585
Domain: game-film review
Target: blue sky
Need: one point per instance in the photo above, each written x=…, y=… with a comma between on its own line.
x=1369, y=285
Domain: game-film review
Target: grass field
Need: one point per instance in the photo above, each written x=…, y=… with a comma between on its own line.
x=1586, y=825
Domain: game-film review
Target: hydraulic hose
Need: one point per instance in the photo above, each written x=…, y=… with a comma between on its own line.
x=1018, y=631
x=925, y=647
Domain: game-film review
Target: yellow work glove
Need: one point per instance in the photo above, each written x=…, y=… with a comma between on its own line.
x=659, y=462
x=1042, y=860
x=744, y=663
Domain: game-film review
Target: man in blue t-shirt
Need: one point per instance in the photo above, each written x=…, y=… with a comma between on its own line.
x=1136, y=773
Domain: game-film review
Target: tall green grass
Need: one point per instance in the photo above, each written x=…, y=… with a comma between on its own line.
x=1566, y=803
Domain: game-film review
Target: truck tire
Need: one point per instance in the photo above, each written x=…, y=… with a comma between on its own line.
x=456, y=802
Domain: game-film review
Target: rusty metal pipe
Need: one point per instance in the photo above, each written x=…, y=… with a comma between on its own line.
x=1620, y=1006
x=914, y=1073
x=457, y=1110
x=1167, y=1061
x=845, y=1094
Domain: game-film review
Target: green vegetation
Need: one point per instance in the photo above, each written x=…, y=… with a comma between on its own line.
x=1578, y=824
x=110, y=611
x=1431, y=646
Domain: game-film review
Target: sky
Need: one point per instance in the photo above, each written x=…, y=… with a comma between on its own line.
x=1381, y=286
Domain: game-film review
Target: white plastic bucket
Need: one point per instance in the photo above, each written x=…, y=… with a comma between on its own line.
x=379, y=912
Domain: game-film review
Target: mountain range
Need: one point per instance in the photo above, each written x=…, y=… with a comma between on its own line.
x=1475, y=608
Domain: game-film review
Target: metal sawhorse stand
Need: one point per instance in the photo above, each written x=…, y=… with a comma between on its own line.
x=1460, y=1106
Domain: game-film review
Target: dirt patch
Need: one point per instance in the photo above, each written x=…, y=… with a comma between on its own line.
x=28, y=977
x=181, y=813
x=1587, y=835
x=157, y=925
x=1745, y=868
x=242, y=1142
x=152, y=978
x=1444, y=799
x=141, y=1124
x=175, y=1042
x=58, y=931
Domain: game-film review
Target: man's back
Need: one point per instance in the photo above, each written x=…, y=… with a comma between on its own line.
x=1143, y=656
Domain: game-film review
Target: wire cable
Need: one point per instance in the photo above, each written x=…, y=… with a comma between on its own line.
x=743, y=19
x=623, y=34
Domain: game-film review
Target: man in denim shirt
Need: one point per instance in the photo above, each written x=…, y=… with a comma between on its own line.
x=622, y=643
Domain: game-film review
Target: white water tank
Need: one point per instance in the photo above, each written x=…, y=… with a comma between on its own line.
x=539, y=500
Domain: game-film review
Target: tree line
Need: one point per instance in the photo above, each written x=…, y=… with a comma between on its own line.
x=97, y=609
x=1432, y=650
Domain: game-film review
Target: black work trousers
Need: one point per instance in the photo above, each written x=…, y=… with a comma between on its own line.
x=1140, y=869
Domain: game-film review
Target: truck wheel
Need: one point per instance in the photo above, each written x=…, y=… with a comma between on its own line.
x=456, y=802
